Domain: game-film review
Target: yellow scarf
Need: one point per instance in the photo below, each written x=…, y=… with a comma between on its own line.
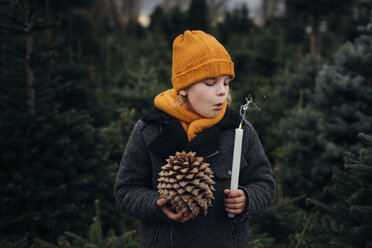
x=190, y=121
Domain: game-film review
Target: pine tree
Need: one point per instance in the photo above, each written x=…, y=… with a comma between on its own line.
x=95, y=238
x=235, y=22
x=316, y=137
x=296, y=86
x=198, y=16
x=315, y=12
x=53, y=162
x=346, y=222
x=278, y=222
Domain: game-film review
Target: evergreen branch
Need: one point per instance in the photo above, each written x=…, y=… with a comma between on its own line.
x=22, y=242
x=286, y=203
x=90, y=246
x=333, y=210
x=342, y=176
x=359, y=167
x=44, y=243
x=358, y=195
x=99, y=226
x=14, y=19
x=366, y=137
x=305, y=227
x=362, y=230
x=12, y=29
x=37, y=28
x=337, y=193
x=79, y=239
x=63, y=242
x=350, y=158
x=337, y=244
x=361, y=209
x=320, y=204
x=304, y=238
x=17, y=55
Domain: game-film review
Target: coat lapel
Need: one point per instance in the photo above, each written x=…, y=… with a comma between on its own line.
x=173, y=137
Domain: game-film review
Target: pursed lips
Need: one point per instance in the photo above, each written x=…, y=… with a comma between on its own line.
x=218, y=106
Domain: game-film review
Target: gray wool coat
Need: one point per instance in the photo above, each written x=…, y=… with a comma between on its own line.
x=157, y=136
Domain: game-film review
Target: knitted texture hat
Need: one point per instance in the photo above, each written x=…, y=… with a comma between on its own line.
x=197, y=56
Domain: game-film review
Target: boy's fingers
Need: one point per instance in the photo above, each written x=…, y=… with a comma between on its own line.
x=186, y=218
x=170, y=214
x=235, y=200
x=234, y=193
x=235, y=206
x=161, y=202
x=167, y=211
x=234, y=211
x=178, y=216
x=183, y=219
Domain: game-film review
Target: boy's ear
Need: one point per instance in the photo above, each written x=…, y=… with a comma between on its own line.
x=183, y=92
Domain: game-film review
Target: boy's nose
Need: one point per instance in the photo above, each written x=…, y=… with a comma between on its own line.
x=222, y=89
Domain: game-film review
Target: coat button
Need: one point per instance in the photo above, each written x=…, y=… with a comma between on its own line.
x=229, y=172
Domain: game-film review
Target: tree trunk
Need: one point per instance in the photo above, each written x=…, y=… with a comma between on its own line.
x=70, y=50
x=300, y=98
x=29, y=70
x=315, y=37
x=264, y=12
x=216, y=8
x=114, y=14
x=47, y=15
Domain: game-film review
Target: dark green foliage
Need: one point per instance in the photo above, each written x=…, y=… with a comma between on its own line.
x=347, y=220
x=340, y=107
x=296, y=86
x=141, y=87
x=198, y=18
x=54, y=163
x=235, y=22
x=315, y=13
x=251, y=53
x=95, y=238
x=118, y=131
x=259, y=240
x=317, y=7
x=169, y=25
x=279, y=221
x=298, y=155
x=13, y=242
x=159, y=20
x=51, y=169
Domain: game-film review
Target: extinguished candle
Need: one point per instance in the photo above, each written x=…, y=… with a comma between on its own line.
x=236, y=161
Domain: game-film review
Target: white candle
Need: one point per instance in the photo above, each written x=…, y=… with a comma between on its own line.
x=236, y=162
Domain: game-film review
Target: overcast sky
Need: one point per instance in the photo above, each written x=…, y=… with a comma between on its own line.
x=148, y=5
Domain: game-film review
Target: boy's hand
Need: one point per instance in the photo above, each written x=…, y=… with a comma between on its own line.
x=235, y=201
x=171, y=215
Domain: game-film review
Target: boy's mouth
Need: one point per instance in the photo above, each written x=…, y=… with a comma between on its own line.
x=218, y=106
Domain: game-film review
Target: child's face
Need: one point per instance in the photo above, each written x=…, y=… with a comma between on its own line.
x=207, y=96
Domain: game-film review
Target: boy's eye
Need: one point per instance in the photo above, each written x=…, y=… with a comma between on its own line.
x=227, y=83
x=209, y=82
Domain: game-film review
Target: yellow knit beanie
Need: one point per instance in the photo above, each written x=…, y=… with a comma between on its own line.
x=197, y=56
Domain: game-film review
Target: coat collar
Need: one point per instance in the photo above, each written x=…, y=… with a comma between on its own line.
x=173, y=137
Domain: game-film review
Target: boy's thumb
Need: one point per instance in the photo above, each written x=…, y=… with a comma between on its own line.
x=161, y=202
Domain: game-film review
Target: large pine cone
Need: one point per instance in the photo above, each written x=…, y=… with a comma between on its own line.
x=186, y=182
